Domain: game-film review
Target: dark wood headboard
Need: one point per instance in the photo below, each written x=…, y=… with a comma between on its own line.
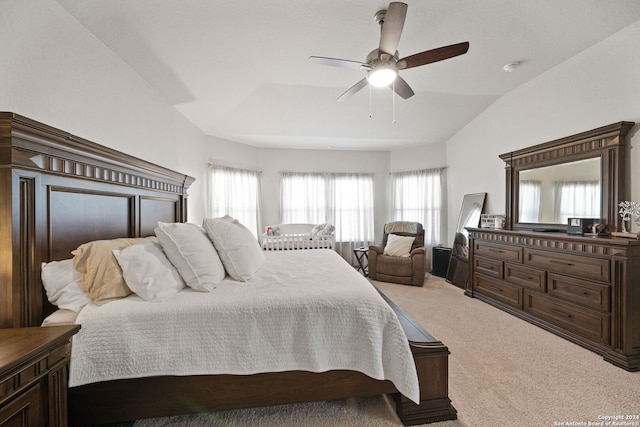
x=58, y=191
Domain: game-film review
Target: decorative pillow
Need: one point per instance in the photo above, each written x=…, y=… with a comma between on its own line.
x=327, y=230
x=100, y=274
x=317, y=229
x=148, y=272
x=398, y=245
x=239, y=250
x=192, y=253
x=62, y=283
x=232, y=220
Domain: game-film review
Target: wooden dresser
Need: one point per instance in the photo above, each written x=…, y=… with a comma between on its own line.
x=34, y=366
x=584, y=289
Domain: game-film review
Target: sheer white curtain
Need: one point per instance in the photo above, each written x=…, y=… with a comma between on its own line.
x=303, y=198
x=529, y=205
x=418, y=196
x=342, y=199
x=578, y=199
x=234, y=192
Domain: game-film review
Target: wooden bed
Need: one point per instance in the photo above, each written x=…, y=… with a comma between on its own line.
x=58, y=191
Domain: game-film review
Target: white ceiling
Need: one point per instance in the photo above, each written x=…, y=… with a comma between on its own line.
x=239, y=69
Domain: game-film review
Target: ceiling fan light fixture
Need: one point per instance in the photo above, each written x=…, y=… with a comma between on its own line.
x=382, y=75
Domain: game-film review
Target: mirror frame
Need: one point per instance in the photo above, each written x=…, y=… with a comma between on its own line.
x=607, y=142
x=458, y=268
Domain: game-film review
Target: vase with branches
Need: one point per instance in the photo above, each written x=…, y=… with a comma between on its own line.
x=627, y=209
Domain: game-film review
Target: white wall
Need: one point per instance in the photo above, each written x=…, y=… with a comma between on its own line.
x=54, y=71
x=597, y=87
x=427, y=156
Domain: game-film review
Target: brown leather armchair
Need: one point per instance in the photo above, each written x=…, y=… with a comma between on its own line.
x=405, y=270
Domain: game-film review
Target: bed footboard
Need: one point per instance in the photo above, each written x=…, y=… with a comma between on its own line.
x=432, y=363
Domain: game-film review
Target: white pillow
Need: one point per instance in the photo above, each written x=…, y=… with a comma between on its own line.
x=192, y=253
x=232, y=220
x=62, y=284
x=398, y=245
x=317, y=229
x=148, y=272
x=239, y=250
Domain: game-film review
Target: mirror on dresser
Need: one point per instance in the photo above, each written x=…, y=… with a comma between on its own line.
x=582, y=176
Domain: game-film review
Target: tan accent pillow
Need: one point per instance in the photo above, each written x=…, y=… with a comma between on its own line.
x=398, y=245
x=100, y=275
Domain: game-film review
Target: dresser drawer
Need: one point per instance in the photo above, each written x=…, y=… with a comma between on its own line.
x=525, y=276
x=498, y=290
x=488, y=266
x=496, y=250
x=573, y=265
x=581, y=321
x=590, y=294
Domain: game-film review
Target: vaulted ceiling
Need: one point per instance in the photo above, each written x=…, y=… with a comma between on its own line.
x=239, y=69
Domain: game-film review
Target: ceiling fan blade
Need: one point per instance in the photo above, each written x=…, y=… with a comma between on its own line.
x=433, y=55
x=402, y=88
x=392, y=28
x=334, y=62
x=353, y=89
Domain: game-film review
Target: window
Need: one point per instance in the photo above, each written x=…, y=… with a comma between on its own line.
x=344, y=200
x=529, y=208
x=579, y=199
x=418, y=196
x=234, y=192
x=303, y=198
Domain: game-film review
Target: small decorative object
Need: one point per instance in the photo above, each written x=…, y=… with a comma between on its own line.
x=492, y=221
x=580, y=226
x=272, y=231
x=627, y=211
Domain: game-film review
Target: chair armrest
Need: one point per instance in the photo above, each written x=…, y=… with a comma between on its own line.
x=378, y=249
x=372, y=256
x=417, y=251
x=419, y=261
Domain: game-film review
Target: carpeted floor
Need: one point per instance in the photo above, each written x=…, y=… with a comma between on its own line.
x=502, y=372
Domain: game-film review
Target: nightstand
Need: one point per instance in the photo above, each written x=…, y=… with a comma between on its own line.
x=34, y=368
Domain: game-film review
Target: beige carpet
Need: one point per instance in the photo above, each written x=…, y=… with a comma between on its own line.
x=502, y=372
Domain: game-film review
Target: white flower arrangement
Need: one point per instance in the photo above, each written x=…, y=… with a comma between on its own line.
x=627, y=209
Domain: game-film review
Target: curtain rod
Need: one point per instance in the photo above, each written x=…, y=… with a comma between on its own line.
x=441, y=168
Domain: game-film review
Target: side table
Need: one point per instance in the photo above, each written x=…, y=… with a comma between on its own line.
x=34, y=369
x=362, y=256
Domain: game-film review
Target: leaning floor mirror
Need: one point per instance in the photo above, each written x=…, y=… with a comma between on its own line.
x=472, y=207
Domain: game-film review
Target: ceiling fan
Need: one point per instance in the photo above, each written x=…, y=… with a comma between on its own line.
x=383, y=64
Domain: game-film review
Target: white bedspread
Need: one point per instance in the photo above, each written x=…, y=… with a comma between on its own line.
x=304, y=310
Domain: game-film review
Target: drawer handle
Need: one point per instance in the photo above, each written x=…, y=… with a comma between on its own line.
x=553, y=261
x=499, y=251
x=520, y=276
x=572, y=291
x=562, y=313
x=495, y=289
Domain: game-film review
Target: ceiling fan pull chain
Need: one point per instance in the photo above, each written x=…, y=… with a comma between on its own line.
x=370, y=108
x=393, y=101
